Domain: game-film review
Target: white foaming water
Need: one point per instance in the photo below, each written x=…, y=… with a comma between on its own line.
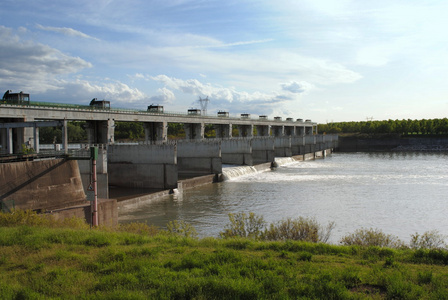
x=282, y=161
x=234, y=172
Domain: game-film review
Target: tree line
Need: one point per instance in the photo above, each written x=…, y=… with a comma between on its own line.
x=400, y=127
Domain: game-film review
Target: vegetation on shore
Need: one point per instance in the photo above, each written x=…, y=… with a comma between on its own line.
x=44, y=258
x=397, y=127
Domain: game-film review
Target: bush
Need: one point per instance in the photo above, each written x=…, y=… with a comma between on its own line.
x=181, y=228
x=372, y=237
x=301, y=229
x=242, y=225
x=428, y=240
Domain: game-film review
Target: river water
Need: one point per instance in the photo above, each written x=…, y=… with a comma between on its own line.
x=399, y=192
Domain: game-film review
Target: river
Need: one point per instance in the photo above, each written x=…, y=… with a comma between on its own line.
x=398, y=192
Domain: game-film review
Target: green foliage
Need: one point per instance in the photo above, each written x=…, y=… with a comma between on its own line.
x=181, y=228
x=401, y=127
x=129, y=131
x=372, y=237
x=428, y=240
x=300, y=229
x=242, y=225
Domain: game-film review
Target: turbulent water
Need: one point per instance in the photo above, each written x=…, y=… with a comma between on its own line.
x=399, y=193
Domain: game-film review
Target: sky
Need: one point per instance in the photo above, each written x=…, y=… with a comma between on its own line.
x=324, y=60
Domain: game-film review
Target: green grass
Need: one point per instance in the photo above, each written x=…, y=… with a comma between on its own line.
x=38, y=262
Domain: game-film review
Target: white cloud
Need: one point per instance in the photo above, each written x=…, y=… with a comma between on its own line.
x=165, y=96
x=66, y=31
x=296, y=87
x=33, y=66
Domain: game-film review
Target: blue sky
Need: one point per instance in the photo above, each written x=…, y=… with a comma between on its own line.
x=312, y=59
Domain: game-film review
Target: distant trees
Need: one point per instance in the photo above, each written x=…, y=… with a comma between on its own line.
x=401, y=127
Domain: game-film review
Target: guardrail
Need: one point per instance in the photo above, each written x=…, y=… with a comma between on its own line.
x=80, y=107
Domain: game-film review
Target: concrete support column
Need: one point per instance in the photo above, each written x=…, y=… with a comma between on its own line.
x=246, y=130
x=3, y=140
x=28, y=134
x=108, y=131
x=100, y=132
x=90, y=130
x=263, y=130
x=156, y=131
x=194, y=131
x=278, y=131
x=10, y=147
x=36, y=139
x=65, y=136
x=223, y=130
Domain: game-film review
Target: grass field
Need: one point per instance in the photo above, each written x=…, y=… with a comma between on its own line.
x=38, y=261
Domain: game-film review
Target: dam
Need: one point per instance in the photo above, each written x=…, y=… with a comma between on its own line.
x=157, y=163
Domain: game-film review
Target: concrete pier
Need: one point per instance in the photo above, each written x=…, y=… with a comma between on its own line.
x=263, y=150
x=237, y=152
x=197, y=158
x=143, y=166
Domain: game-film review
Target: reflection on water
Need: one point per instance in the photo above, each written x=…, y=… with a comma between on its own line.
x=400, y=193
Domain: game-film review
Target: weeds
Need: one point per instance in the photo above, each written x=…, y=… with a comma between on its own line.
x=428, y=240
x=372, y=237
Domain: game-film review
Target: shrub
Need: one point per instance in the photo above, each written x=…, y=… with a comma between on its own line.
x=301, y=229
x=181, y=228
x=372, y=237
x=242, y=225
x=428, y=240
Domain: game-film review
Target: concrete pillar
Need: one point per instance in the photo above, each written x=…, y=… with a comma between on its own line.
x=9, y=137
x=3, y=140
x=100, y=132
x=108, y=132
x=223, y=131
x=156, y=131
x=246, y=130
x=263, y=130
x=194, y=131
x=65, y=136
x=278, y=131
x=36, y=139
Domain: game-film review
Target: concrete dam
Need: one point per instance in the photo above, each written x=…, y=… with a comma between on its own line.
x=57, y=181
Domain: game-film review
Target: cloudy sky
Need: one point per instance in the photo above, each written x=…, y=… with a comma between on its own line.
x=324, y=60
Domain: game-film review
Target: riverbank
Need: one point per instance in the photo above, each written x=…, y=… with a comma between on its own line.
x=379, y=143
x=40, y=262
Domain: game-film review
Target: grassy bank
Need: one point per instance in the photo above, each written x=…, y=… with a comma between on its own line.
x=38, y=262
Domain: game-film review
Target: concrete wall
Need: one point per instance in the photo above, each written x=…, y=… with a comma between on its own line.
x=143, y=166
x=297, y=143
x=283, y=146
x=195, y=158
x=41, y=185
x=107, y=212
x=237, y=152
x=263, y=150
